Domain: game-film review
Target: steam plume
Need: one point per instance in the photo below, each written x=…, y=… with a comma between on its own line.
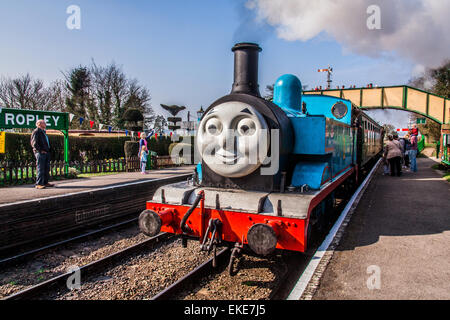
x=418, y=30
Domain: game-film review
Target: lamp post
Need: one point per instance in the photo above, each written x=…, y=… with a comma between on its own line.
x=200, y=113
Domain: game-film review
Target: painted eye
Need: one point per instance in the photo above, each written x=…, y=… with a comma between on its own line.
x=213, y=126
x=246, y=127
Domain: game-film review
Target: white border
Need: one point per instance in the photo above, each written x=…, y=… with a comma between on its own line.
x=307, y=275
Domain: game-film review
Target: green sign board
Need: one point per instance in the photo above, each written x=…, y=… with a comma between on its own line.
x=18, y=118
x=421, y=120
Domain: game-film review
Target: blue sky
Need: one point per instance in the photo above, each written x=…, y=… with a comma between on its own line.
x=180, y=50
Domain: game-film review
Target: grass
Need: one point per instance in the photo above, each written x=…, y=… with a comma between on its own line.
x=444, y=169
x=19, y=177
x=89, y=175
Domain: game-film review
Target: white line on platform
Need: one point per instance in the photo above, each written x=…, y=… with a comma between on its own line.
x=307, y=275
x=94, y=189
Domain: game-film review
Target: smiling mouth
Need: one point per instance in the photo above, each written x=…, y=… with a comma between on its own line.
x=226, y=156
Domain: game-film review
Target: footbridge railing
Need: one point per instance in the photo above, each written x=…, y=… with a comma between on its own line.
x=405, y=98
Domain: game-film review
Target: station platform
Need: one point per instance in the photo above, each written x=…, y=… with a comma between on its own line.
x=29, y=215
x=396, y=245
x=9, y=195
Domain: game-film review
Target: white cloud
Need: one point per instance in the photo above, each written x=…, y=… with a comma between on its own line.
x=418, y=30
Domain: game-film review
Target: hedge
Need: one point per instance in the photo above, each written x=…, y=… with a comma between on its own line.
x=18, y=147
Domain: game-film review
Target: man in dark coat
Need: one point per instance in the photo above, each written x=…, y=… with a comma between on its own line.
x=41, y=150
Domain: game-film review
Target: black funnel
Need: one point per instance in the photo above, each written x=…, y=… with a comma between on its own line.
x=246, y=68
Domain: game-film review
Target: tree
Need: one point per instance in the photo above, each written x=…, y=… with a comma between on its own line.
x=159, y=124
x=435, y=80
x=389, y=129
x=58, y=94
x=138, y=97
x=79, y=102
x=438, y=82
x=441, y=76
x=133, y=120
x=269, y=92
x=114, y=94
x=24, y=92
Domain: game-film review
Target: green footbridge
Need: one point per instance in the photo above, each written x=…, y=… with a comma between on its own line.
x=405, y=98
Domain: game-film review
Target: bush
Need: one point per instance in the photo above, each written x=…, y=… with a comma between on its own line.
x=18, y=147
x=87, y=148
x=131, y=149
x=183, y=145
x=160, y=146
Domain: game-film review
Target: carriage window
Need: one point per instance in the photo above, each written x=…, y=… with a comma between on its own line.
x=339, y=110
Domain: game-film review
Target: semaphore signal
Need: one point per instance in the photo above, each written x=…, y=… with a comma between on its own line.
x=329, y=71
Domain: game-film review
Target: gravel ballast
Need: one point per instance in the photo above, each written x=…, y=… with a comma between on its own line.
x=58, y=261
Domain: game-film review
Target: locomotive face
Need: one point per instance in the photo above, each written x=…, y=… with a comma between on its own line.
x=233, y=139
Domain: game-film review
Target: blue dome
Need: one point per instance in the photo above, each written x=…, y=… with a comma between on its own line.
x=287, y=92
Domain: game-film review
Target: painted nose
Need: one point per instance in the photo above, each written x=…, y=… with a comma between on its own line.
x=227, y=140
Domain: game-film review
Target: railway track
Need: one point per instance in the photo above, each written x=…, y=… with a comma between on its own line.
x=194, y=281
x=11, y=260
x=202, y=271
x=88, y=269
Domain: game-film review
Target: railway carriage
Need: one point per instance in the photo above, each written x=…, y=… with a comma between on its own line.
x=269, y=171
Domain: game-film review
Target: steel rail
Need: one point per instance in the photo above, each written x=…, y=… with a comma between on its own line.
x=203, y=270
x=87, y=269
x=22, y=256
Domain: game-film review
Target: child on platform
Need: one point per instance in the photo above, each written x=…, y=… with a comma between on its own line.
x=144, y=156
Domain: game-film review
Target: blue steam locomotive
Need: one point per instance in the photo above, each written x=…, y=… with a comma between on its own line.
x=270, y=170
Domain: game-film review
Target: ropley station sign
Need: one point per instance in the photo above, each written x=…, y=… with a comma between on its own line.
x=18, y=118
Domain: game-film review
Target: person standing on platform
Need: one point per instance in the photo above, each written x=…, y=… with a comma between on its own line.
x=413, y=153
x=393, y=154
x=144, y=156
x=41, y=150
x=142, y=142
x=414, y=131
x=438, y=148
x=407, y=149
x=402, y=147
x=385, y=164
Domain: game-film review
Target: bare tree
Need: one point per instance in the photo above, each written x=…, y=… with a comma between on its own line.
x=159, y=124
x=109, y=87
x=434, y=80
x=24, y=92
x=58, y=94
x=138, y=97
x=97, y=93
